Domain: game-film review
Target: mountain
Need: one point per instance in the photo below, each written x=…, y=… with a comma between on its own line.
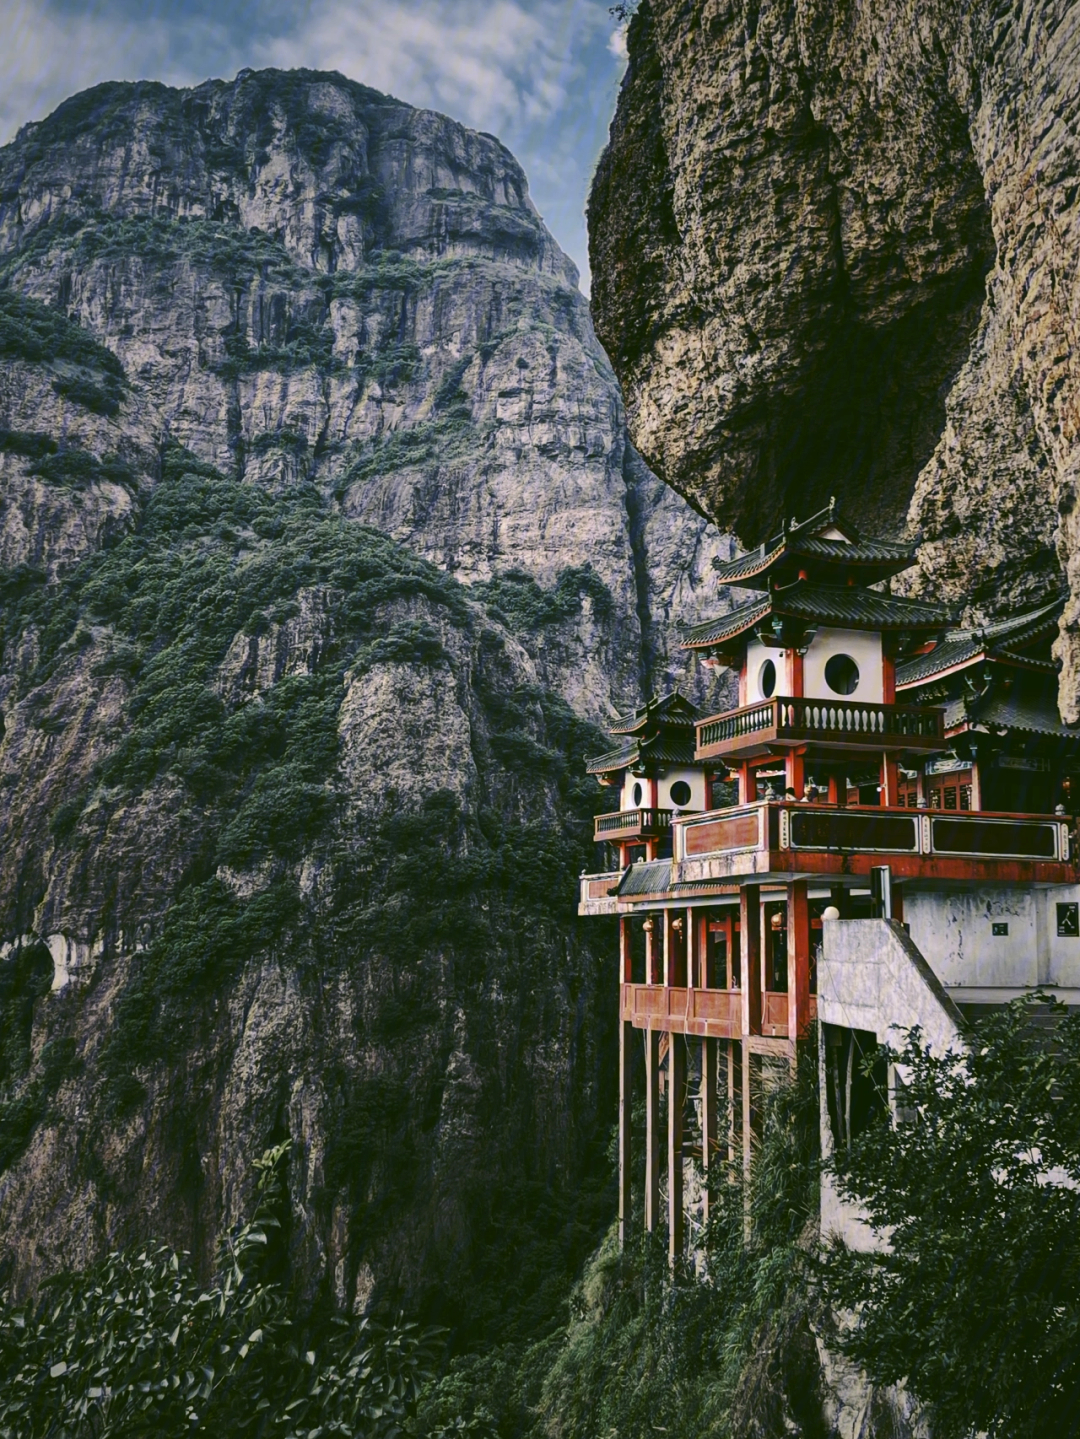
x=323, y=548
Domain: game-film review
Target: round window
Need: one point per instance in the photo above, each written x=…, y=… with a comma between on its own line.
x=842, y=674
x=637, y=794
x=680, y=792
x=766, y=679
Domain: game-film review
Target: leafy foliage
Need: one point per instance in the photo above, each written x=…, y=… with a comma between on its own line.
x=975, y=1306
x=725, y=1352
x=84, y=370
x=138, y=1345
x=516, y=598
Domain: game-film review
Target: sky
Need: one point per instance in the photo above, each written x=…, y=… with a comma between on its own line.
x=542, y=75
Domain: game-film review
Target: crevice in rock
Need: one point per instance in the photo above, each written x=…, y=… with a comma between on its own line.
x=636, y=520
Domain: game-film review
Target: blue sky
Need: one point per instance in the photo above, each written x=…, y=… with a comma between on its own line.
x=540, y=74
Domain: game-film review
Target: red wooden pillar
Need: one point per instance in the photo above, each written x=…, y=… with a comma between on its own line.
x=747, y=788
x=626, y=971
x=888, y=679
x=795, y=771
x=750, y=956
x=890, y=780
x=798, y=966
x=676, y=1101
x=653, y=949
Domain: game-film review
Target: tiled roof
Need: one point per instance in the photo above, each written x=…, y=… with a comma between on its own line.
x=880, y=558
x=959, y=647
x=1028, y=714
x=733, y=623
x=662, y=749
x=651, y=877
x=670, y=710
x=846, y=607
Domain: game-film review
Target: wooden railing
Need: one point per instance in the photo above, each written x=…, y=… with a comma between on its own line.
x=684, y=1011
x=626, y=824
x=782, y=825
x=809, y=719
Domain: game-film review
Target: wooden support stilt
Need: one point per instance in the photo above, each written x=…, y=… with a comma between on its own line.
x=747, y=1112
x=626, y=1104
x=652, y=1128
x=710, y=1152
x=798, y=966
x=676, y=1102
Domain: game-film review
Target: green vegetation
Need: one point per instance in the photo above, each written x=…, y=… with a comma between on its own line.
x=31, y=443
x=84, y=370
x=976, y=1304
x=443, y=901
x=138, y=1345
x=728, y=1352
x=78, y=469
x=515, y=597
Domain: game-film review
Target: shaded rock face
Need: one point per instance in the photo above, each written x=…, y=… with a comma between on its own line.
x=321, y=546
x=834, y=251
x=308, y=281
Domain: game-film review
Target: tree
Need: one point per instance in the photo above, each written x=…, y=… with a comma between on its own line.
x=974, y=1305
x=138, y=1347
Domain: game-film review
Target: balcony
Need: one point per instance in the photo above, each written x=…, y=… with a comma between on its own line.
x=839, y=725
x=781, y=838
x=712, y=1013
x=597, y=893
x=632, y=824
x=709, y=1013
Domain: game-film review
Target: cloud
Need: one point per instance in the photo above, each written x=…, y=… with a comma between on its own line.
x=617, y=44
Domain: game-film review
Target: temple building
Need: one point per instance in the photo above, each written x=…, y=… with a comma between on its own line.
x=879, y=835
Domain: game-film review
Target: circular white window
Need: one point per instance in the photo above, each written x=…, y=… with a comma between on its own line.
x=842, y=674
x=637, y=795
x=766, y=679
x=680, y=792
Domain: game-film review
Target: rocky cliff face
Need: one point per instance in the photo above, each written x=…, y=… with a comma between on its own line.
x=316, y=510
x=308, y=282
x=835, y=250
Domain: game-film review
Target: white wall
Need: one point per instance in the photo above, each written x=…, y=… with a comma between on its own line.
x=863, y=646
x=954, y=932
x=693, y=777
x=756, y=655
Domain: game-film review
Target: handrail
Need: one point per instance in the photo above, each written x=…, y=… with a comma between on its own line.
x=791, y=717
x=633, y=819
x=976, y=834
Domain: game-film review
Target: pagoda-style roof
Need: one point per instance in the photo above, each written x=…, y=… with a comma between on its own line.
x=1024, y=714
x=639, y=754
x=806, y=603
x=672, y=710
x=1006, y=641
x=659, y=732
x=826, y=547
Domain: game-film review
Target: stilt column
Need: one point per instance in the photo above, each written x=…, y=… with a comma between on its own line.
x=652, y=1128
x=676, y=1101
x=709, y=1128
